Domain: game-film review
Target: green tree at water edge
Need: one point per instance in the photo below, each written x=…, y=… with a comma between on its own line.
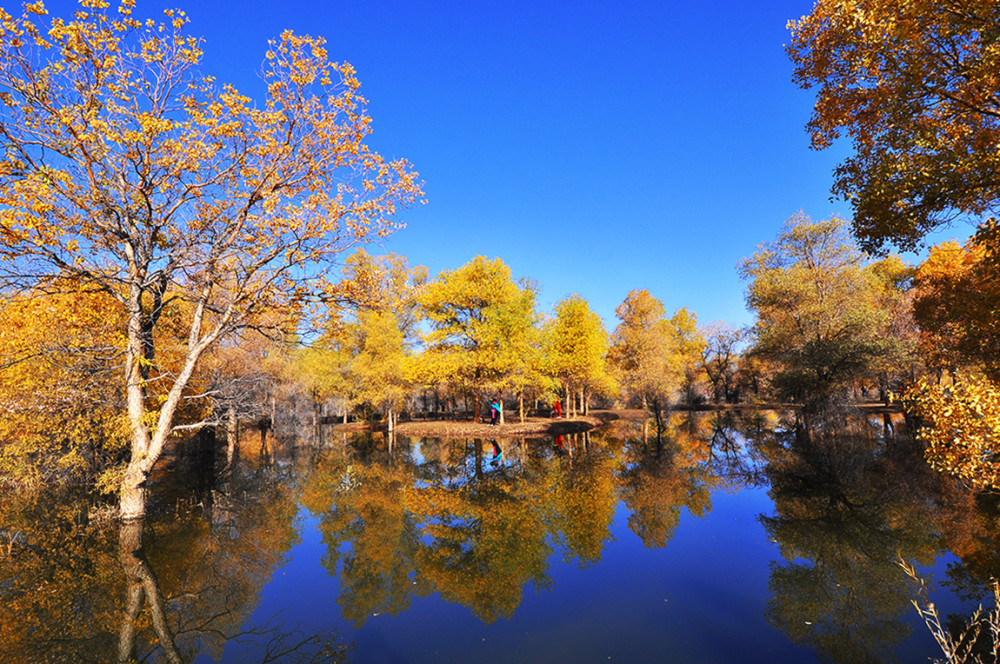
x=822, y=318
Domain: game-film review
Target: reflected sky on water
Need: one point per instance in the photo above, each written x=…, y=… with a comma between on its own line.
x=729, y=539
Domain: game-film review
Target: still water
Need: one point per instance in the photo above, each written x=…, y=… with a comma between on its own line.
x=732, y=538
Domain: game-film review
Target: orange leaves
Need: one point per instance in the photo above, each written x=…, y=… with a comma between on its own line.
x=957, y=288
x=57, y=382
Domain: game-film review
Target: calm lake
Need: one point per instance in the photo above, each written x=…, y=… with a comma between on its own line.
x=734, y=538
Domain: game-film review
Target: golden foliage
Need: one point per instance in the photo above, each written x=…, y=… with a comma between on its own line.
x=957, y=288
x=59, y=385
x=482, y=326
x=129, y=169
x=914, y=84
x=961, y=427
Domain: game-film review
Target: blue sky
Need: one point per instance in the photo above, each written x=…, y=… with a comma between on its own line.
x=595, y=147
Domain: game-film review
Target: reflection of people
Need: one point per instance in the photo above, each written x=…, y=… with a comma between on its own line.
x=556, y=408
x=495, y=413
x=497, y=453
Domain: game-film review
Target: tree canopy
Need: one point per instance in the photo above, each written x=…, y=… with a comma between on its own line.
x=481, y=323
x=821, y=309
x=128, y=169
x=915, y=85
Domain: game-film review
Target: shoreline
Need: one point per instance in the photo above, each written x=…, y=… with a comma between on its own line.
x=546, y=426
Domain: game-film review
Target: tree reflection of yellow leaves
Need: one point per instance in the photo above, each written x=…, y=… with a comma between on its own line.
x=483, y=553
x=367, y=504
x=584, y=498
x=660, y=482
x=64, y=583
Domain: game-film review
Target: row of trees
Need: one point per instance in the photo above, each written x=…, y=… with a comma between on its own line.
x=156, y=226
x=475, y=333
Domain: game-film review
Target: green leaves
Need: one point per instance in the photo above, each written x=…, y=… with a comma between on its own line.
x=824, y=316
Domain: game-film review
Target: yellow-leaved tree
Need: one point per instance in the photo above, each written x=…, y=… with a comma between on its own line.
x=961, y=427
x=914, y=85
x=127, y=168
x=482, y=325
x=60, y=392
x=362, y=355
x=576, y=351
x=645, y=355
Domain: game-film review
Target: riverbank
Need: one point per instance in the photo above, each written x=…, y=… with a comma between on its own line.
x=547, y=426
x=513, y=428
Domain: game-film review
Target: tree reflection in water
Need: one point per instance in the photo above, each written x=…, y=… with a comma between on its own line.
x=445, y=517
x=170, y=589
x=844, y=514
x=456, y=519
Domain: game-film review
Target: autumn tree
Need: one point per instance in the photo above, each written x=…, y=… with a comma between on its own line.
x=576, y=351
x=643, y=352
x=128, y=169
x=915, y=87
x=362, y=352
x=955, y=305
x=960, y=425
x=481, y=327
x=62, y=405
x=821, y=310
x=719, y=359
x=688, y=344
x=380, y=366
x=383, y=283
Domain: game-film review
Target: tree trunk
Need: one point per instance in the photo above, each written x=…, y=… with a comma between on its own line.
x=141, y=583
x=147, y=443
x=316, y=415
x=232, y=435
x=520, y=405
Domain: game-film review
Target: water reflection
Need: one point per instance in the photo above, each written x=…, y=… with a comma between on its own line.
x=479, y=524
x=844, y=514
x=169, y=589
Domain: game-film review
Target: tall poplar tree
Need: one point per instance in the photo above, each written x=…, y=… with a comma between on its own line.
x=644, y=353
x=576, y=351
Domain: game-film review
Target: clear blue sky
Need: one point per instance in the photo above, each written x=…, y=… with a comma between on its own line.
x=595, y=147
